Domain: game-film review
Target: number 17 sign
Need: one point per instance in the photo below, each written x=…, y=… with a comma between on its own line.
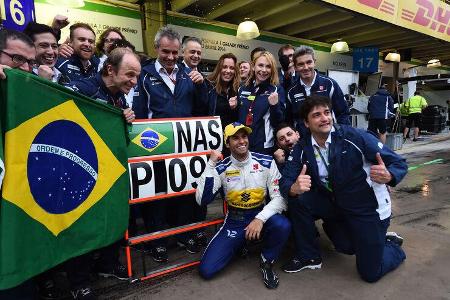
x=365, y=59
x=17, y=13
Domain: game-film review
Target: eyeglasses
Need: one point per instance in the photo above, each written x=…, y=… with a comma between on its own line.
x=20, y=60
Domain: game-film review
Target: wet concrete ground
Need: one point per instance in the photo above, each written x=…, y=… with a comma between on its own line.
x=421, y=214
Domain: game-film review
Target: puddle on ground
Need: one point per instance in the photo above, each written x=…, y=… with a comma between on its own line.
x=424, y=189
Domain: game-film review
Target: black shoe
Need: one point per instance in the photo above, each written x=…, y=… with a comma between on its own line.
x=119, y=271
x=393, y=237
x=48, y=291
x=296, y=265
x=83, y=293
x=270, y=278
x=159, y=254
x=190, y=245
x=201, y=239
x=414, y=140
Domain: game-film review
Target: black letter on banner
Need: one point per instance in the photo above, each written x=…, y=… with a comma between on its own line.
x=172, y=182
x=214, y=134
x=135, y=182
x=199, y=131
x=185, y=136
x=194, y=173
x=159, y=168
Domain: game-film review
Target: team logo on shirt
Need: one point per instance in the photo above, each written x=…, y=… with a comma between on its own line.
x=245, y=197
x=73, y=67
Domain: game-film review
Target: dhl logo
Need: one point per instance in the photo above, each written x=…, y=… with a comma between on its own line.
x=384, y=6
x=427, y=13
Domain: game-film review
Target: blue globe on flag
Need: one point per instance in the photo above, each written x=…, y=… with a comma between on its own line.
x=149, y=139
x=62, y=167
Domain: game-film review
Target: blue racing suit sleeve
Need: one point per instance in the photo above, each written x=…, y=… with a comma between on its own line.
x=339, y=105
x=292, y=169
x=395, y=164
x=208, y=185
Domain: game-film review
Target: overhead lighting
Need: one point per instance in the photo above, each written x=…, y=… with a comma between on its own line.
x=339, y=47
x=247, y=30
x=434, y=63
x=392, y=56
x=67, y=3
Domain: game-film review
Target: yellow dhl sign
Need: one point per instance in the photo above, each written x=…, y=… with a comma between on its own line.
x=431, y=17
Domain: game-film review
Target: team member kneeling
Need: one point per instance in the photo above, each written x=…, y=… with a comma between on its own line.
x=339, y=174
x=245, y=177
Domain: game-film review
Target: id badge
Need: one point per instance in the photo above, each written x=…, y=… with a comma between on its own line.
x=249, y=119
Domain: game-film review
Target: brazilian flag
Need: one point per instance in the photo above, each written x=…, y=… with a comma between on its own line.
x=65, y=189
x=151, y=139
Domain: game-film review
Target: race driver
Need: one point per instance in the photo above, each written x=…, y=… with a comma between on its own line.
x=245, y=178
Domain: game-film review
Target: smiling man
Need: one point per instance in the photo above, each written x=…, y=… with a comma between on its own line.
x=340, y=174
x=309, y=82
x=192, y=53
x=46, y=44
x=245, y=178
x=83, y=63
x=118, y=76
x=16, y=51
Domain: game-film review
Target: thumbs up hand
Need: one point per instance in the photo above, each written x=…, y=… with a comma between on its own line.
x=379, y=173
x=273, y=98
x=302, y=184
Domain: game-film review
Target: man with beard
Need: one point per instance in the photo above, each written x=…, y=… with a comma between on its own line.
x=83, y=63
x=248, y=180
x=340, y=174
x=44, y=39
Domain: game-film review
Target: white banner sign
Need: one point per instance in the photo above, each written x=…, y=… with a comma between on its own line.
x=159, y=177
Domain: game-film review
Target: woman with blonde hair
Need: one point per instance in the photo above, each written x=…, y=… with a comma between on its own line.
x=262, y=103
x=223, y=86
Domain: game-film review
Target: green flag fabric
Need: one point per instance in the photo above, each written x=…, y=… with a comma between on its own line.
x=65, y=190
x=2, y=164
